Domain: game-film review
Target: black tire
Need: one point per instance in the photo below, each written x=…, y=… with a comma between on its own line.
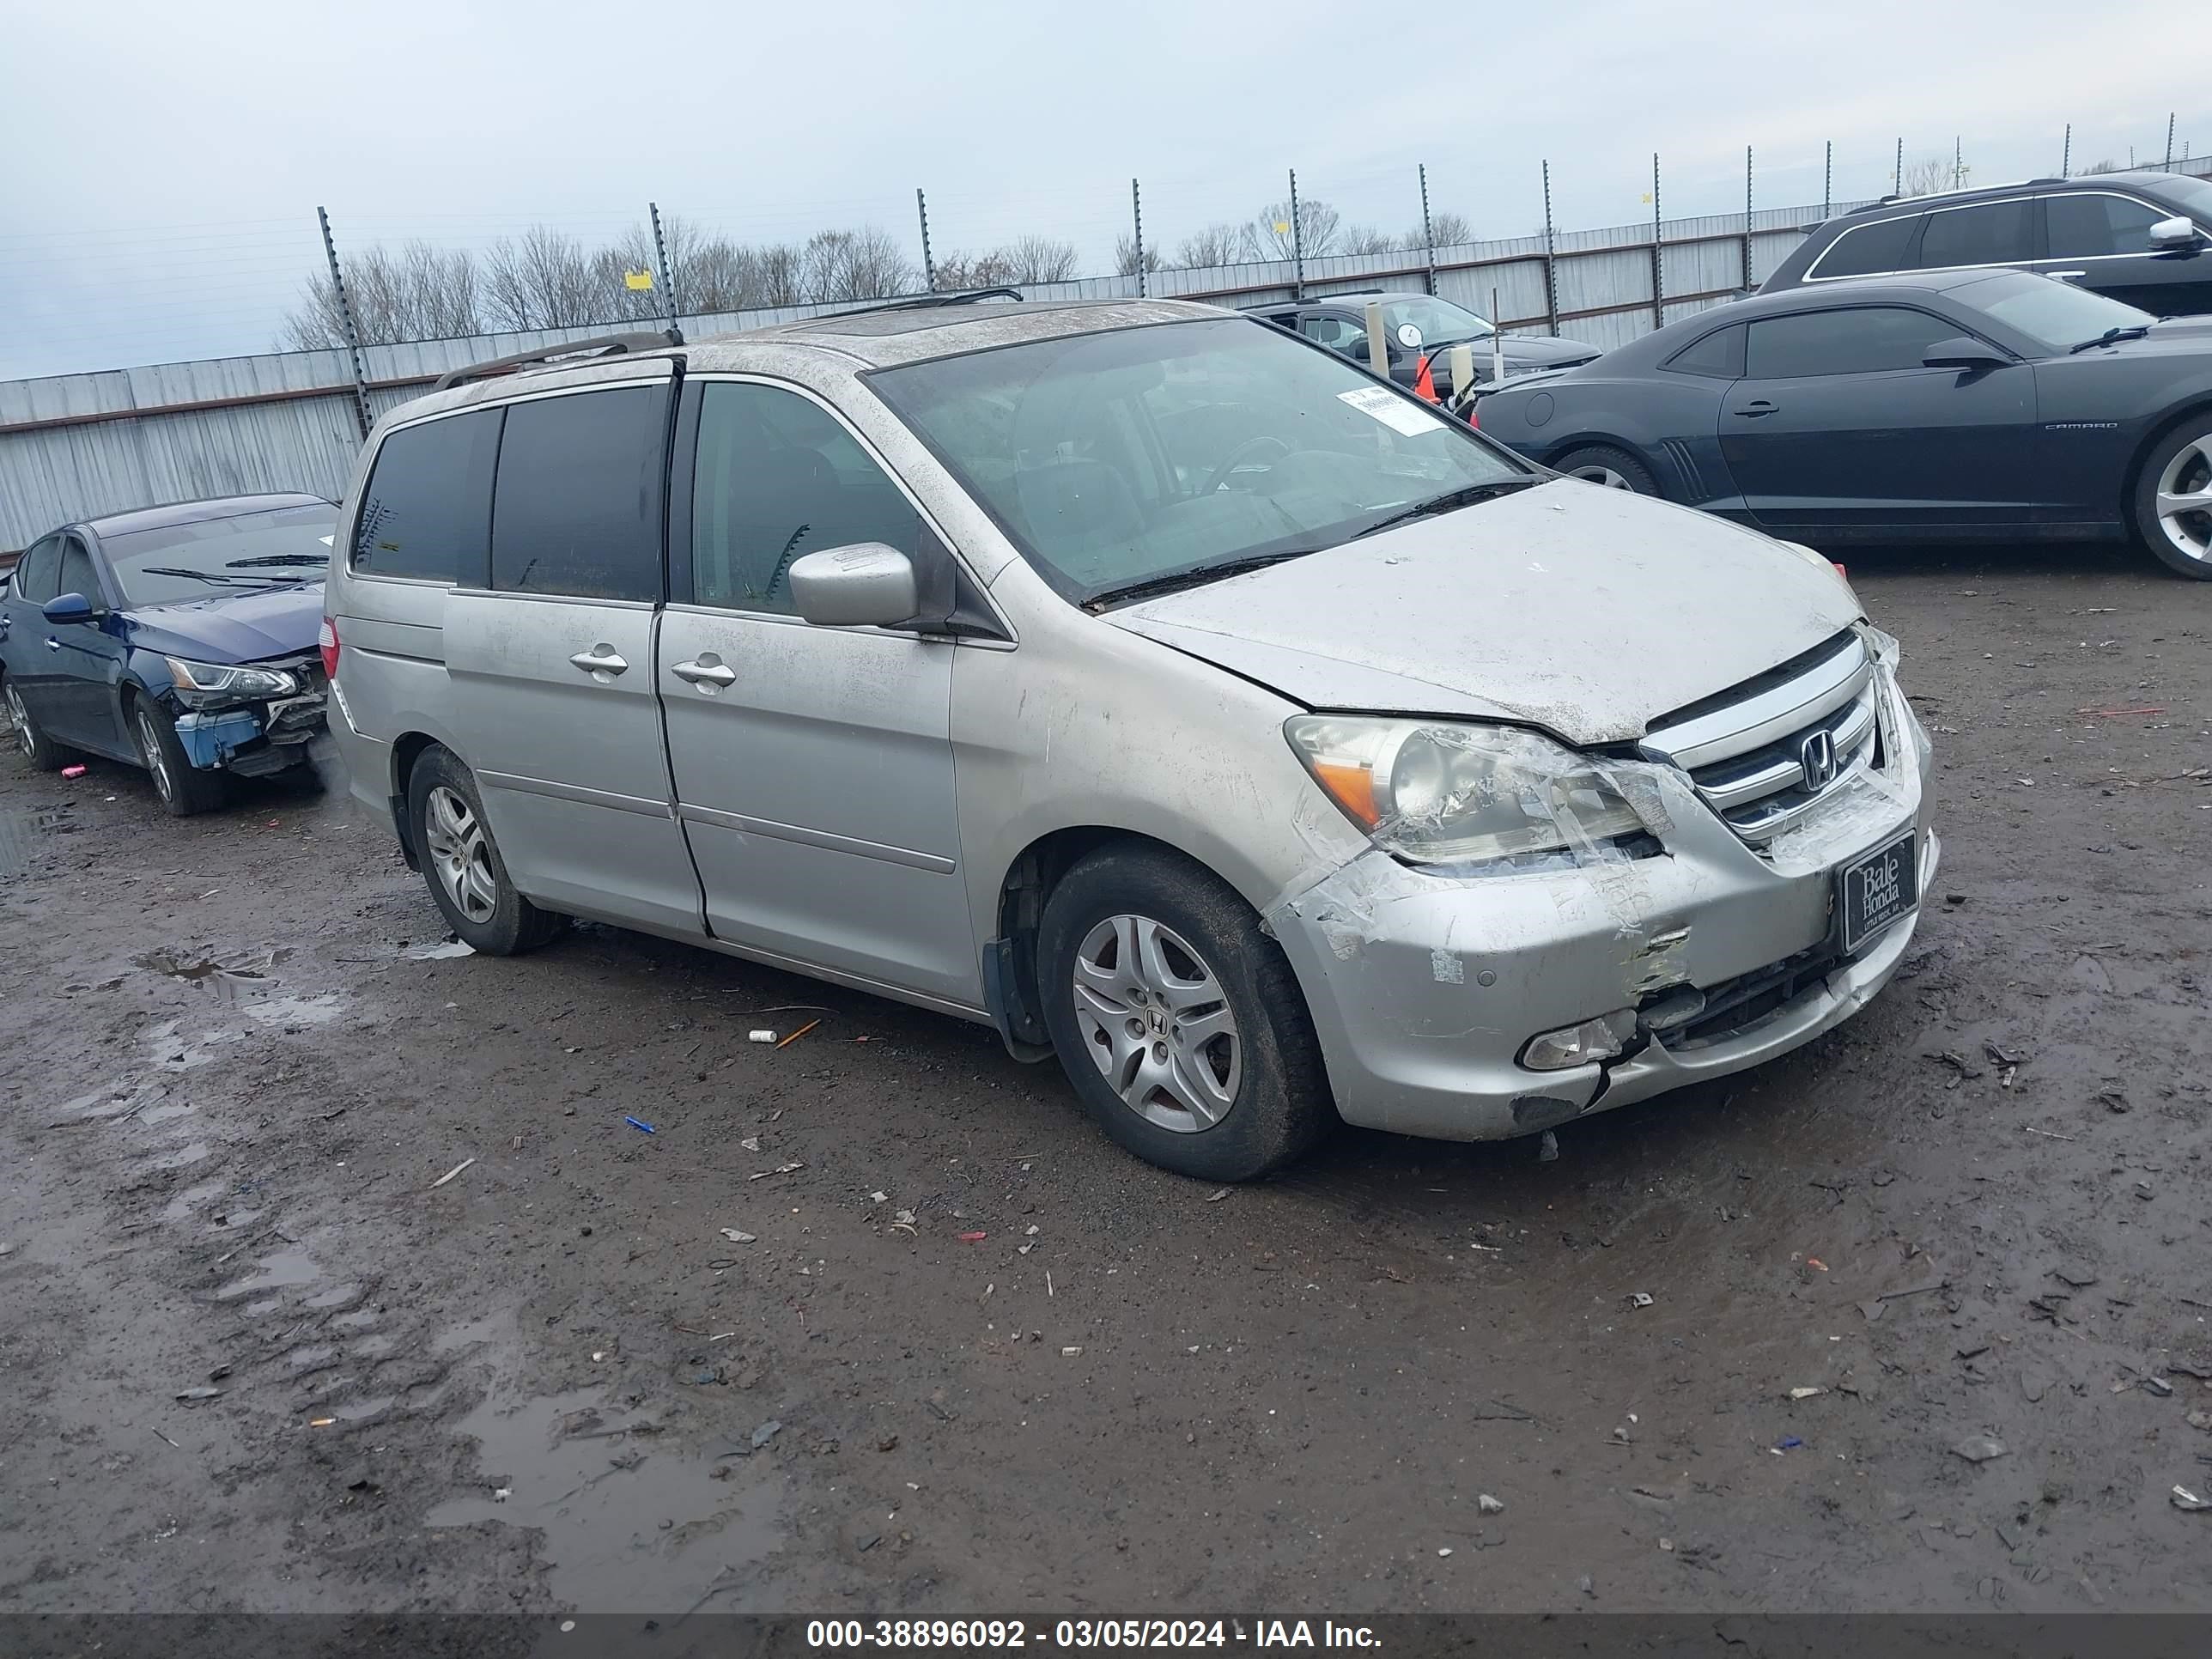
x=2195, y=476
x=1597, y=458
x=184, y=789
x=1278, y=1097
x=44, y=754
x=508, y=923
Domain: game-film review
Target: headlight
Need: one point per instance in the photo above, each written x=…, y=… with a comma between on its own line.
x=1437, y=792
x=209, y=682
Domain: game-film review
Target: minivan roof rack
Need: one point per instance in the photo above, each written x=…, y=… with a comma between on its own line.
x=922, y=301
x=604, y=345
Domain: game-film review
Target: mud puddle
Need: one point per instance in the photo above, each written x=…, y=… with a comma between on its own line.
x=280, y=1271
x=630, y=1524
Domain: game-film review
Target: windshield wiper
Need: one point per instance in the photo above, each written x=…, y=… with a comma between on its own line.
x=1450, y=501
x=2125, y=332
x=277, y=558
x=215, y=575
x=1193, y=578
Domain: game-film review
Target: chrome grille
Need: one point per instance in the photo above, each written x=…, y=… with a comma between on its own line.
x=1763, y=754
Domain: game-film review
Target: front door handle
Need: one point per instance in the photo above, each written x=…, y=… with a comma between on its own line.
x=52, y=644
x=1756, y=407
x=2066, y=275
x=705, y=670
x=599, y=659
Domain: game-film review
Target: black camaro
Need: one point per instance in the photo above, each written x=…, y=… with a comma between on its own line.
x=1984, y=406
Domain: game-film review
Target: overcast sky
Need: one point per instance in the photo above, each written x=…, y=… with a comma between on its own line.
x=163, y=162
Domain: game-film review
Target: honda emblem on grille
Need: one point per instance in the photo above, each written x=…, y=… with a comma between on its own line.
x=1816, y=757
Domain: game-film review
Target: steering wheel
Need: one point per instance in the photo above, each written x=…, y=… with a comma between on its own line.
x=1220, y=475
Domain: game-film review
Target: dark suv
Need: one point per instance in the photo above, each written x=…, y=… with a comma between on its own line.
x=2141, y=238
x=1417, y=325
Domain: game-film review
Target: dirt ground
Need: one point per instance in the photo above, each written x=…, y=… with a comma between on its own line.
x=969, y=1359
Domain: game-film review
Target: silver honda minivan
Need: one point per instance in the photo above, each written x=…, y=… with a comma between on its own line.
x=1153, y=686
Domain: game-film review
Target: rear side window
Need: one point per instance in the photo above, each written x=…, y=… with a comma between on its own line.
x=35, y=575
x=2091, y=226
x=577, y=509
x=1991, y=234
x=1868, y=250
x=1719, y=355
x=426, y=512
x=1862, y=340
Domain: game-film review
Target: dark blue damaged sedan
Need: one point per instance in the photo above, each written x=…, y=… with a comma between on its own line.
x=182, y=639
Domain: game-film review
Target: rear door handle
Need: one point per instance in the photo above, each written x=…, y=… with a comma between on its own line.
x=705, y=670
x=599, y=659
x=1756, y=407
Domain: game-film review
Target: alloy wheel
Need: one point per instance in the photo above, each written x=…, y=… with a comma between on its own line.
x=460, y=853
x=18, y=718
x=149, y=750
x=1157, y=1023
x=2185, y=501
x=1601, y=475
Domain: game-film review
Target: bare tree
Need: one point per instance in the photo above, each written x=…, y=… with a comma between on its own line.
x=1040, y=258
x=1125, y=255
x=2108, y=165
x=1216, y=244
x=1447, y=229
x=1366, y=239
x=958, y=269
x=1269, y=236
x=854, y=264
x=778, y=274
x=417, y=293
x=545, y=279
x=1930, y=173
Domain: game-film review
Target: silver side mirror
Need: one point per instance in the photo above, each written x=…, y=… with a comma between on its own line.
x=867, y=585
x=2175, y=233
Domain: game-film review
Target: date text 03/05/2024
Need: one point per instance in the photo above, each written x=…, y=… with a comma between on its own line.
x=979, y=1633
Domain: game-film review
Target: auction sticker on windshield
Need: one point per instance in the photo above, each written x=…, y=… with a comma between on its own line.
x=1393, y=410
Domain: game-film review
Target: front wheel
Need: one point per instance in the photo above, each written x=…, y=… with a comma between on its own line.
x=185, y=789
x=1616, y=469
x=2174, y=500
x=1177, y=1019
x=467, y=877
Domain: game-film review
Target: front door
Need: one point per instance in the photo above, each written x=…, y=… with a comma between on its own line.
x=2101, y=239
x=551, y=663
x=1836, y=423
x=814, y=766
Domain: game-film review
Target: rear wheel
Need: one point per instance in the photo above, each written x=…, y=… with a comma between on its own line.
x=184, y=788
x=1177, y=1019
x=2174, y=499
x=1602, y=464
x=41, y=751
x=467, y=877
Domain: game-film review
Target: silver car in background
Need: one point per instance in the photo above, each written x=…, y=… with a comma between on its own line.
x=1155, y=687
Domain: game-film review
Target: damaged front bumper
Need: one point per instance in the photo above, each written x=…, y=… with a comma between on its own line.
x=253, y=738
x=1426, y=989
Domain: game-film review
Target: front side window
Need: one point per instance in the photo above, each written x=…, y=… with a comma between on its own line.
x=77, y=575
x=777, y=477
x=1860, y=340
x=278, y=547
x=37, y=571
x=1337, y=334
x=1113, y=461
x=426, y=510
x=1868, y=250
x=1989, y=233
x=576, y=507
x=2090, y=225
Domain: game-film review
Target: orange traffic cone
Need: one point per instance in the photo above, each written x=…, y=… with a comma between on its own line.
x=1424, y=384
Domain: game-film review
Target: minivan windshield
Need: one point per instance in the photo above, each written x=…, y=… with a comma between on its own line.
x=1125, y=460
x=2055, y=314
x=276, y=547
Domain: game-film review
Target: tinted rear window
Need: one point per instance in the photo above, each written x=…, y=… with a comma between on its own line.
x=1719, y=354
x=1868, y=250
x=578, y=506
x=1991, y=234
x=426, y=512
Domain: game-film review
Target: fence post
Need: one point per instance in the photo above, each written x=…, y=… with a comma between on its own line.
x=1658, y=260
x=1551, y=257
x=1897, y=179
x=667, y=276
x=1828, y=179
x=1298, y=244
x=352, y=334
x=1428, y=233
x=1957, y=161
x=2066, y=155
x=1747, y=218
x=1137, y=220
x=2169, y=141
x=929, y=264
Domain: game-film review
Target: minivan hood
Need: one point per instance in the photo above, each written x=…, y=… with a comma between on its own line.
x=232, y=628
x=1586, y=612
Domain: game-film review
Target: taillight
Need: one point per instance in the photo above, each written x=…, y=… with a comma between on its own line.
x=326, y=641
